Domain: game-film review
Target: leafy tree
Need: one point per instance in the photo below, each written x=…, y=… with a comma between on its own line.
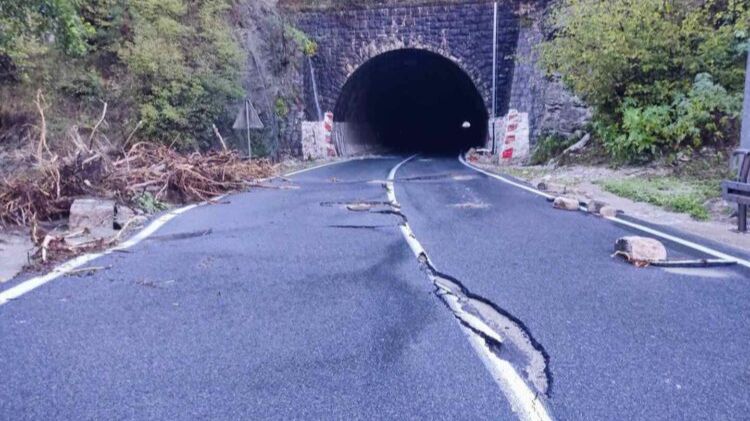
x=660, y=74
x=185, y=66
x=26, y=26
x=172, y=64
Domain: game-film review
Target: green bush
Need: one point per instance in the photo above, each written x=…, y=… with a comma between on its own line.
x=660, y=75
x=643, y=132
x=707, y=114
x=281, y=108
x=148, y=203
x=185, y=67
x=304, y=42
x=26, y=25
x=174, y=65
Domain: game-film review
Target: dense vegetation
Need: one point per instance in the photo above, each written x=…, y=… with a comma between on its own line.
x=166, y=68
x=344, y=4
x=662, y=76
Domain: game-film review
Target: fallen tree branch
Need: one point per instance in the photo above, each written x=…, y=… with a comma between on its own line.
x=42, y=144
x=130, y=137
x=96, y=126
x=221, y=139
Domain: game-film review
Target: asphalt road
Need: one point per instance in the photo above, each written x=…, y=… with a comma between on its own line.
x=284, y=304
x=623, y=343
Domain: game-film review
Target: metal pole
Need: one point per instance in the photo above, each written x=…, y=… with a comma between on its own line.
x=745, y=142
x=247, y=119
x=494, y=77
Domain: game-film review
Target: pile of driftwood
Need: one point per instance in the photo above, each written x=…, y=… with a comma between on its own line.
x=45, y=189
x=176, y=177
x=39, y=183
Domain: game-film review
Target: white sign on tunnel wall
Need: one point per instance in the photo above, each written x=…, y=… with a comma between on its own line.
x=512, y=137
x=317, y=138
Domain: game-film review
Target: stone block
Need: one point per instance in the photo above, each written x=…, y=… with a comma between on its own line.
x=92, y=214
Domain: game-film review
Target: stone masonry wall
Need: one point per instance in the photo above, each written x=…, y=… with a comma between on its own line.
x=551, y=107
x=461, y=32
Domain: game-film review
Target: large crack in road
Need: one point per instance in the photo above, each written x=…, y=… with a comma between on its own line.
x=518, y=362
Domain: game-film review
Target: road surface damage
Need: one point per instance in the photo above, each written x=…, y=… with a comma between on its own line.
x=505, y=335
x=517, y=361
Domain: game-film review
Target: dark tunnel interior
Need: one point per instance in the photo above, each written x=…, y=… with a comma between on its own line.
x=413, y=101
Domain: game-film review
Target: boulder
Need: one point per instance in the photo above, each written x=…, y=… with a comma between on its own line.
x=641, y=251
x=566, y=203
x=92, y=214
x=595, y=206
x=608, y=212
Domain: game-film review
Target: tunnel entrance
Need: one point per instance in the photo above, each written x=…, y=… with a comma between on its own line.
x=412, y=100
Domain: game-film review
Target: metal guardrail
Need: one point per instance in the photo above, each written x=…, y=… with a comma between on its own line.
x=738, y=191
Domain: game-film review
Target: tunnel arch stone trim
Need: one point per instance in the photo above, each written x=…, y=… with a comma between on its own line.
x=377, y=49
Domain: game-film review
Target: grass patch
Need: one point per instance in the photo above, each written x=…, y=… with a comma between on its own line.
x=679, y=195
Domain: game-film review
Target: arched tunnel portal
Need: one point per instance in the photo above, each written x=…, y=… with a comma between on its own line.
x=412, y=100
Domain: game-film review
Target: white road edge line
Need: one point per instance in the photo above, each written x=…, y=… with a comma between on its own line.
x=681, y=241
x=71, y=265
x=523, y=400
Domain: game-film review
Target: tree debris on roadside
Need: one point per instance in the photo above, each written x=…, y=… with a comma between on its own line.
x=170, y=175
x=47, y=184
x=46, y=191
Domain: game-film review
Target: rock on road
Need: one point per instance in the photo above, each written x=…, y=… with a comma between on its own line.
x=307, y=303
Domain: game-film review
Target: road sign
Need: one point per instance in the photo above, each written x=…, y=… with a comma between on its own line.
x=247, y=118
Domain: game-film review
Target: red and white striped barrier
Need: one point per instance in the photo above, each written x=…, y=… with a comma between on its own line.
x=328, y=129
x=514, y=144
x=317, y=138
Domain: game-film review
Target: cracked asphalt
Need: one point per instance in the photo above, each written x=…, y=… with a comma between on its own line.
x=284, y=304
x=623, y=343
x=269, y=313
